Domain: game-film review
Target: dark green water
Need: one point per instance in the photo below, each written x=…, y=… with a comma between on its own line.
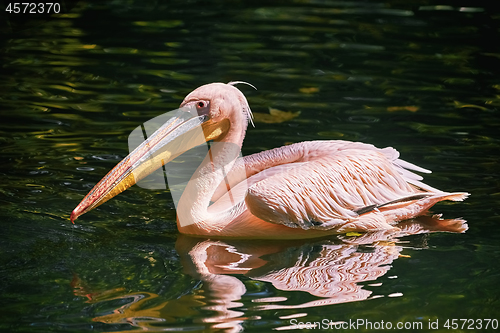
x=421, y=76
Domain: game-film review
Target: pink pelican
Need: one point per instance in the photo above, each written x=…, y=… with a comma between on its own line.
x=303, y=190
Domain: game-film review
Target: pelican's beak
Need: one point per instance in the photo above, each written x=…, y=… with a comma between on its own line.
x=183, y=131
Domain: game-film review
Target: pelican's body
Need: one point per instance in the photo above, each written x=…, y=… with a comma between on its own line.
x=307, y=189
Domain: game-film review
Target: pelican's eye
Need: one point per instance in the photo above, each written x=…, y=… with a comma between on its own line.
x=203, y=107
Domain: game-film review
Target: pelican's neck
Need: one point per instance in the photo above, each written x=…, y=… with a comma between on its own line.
x=192, y=210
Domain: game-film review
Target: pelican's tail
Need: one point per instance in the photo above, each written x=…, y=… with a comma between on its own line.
x=405, y=210
x=456, y=196
x=383, y=217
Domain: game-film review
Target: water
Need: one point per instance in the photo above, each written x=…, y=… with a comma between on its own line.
x=421, y=76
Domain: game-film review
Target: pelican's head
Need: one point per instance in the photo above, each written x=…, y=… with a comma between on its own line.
x=220, y=102
x=217, y=108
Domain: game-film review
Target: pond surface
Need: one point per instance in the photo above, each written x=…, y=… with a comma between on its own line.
x=421, y=76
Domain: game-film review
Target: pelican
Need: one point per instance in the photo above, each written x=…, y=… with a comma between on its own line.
x=303, y=190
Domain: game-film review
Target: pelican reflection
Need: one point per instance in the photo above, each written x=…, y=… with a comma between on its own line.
x=334, y=270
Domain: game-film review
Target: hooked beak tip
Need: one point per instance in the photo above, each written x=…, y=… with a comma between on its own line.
x=74, y=216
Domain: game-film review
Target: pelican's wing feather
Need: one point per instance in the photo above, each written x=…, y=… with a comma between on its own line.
x=332, y=182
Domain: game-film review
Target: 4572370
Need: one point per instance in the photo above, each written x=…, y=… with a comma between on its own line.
x=33, y=8
x=471, y=324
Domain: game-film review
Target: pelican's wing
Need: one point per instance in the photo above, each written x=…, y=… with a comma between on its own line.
x=333, y=184
x=250, y=166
